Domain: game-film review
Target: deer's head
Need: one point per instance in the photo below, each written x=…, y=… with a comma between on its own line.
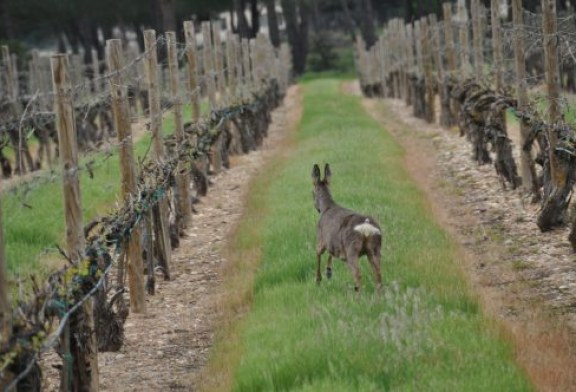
x=321, y=192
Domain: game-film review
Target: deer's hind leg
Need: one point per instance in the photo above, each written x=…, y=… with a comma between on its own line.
x=353, y=264
x=329, y=267
x=374, y=259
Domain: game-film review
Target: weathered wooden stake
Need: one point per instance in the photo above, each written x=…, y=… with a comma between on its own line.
x=208, y=58
x=477, y=35
x=247, y=68
x=231, y=65
x=191, y=63
x=123, y=125
x=527, y=168
x=449, y=38
x=15, y=108
x=209, y=73
x=409, y=56
x=151, y=66
x=66, y=126
x=428, y=76
x=554, y=198
x=497, y=43
x=464, y=37
x=218, y=54
x=184, y=208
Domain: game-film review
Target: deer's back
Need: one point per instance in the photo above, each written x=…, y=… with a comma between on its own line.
x=336, y=230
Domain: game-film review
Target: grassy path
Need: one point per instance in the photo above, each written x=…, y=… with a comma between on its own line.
x=425, y=332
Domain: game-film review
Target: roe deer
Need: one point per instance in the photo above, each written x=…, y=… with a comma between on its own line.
x=346, y=234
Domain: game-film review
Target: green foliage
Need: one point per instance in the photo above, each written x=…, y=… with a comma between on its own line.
x=424, y=332
x=322, y=56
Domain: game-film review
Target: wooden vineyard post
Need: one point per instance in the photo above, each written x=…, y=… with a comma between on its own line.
x=239, y=67
x=123, y=125
x=231, y=66
x=218, y=62
x=96, y=84
x=477, y=15
x=439, y=60
x=194, y=89
x=259, y=62
x=402, y=57
x=15, y=110
x=497, y=42
x=419, y=99
x=429, y=114
x=549, y=24
x=452, y=106
x=405, y=56
x=381, y=58
x=37, y=88
x=409, y=56
x=191, y=57
x=247, y=67
x=527, y=167
x=464, y=37
x=208, y=64
x=449, y=38
x=209, y=74
x=231, y=56
x=554, y=201
x=360, y=58
x=161, y=221
x=82, y=376
x=184, y=209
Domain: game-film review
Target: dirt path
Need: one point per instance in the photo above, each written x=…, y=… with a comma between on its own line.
x=165, y=348
x=525, y=279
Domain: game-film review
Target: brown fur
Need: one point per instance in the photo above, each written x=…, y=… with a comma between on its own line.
x=336, y=233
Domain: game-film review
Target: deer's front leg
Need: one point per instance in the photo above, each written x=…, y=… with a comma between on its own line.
x=319, y=251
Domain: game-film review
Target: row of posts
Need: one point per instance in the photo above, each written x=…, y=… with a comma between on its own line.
x=406, y=50
x=249, y=64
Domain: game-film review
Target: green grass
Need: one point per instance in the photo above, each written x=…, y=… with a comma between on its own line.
x=32, y=232
x=424, y=333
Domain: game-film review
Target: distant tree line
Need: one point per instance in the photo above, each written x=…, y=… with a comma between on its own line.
x=83, y=25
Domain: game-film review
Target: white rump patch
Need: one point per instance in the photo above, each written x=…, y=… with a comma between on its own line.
x=367, y=229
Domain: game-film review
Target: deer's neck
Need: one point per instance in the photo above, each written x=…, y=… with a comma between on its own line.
x=325, y=200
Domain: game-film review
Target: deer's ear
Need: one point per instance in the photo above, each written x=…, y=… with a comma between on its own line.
x=327, y=174
x=316, y=174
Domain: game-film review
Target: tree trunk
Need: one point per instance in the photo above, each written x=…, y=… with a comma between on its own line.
x=273, y=29
x=96, y=44
x=255, y=14
x=61, y=43
x=297, y=32
x=367, y=23
x=139, y=36
x=72, y=34
x=6, y=25
x=242, y=24
x=349, y=20
x=168, y=12
x=85, y=37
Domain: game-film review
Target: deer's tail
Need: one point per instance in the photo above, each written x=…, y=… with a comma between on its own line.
x=367, y=229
